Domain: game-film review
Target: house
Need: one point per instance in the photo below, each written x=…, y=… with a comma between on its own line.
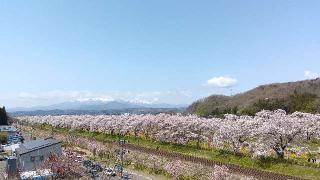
x=11, y=166
x=31, y=154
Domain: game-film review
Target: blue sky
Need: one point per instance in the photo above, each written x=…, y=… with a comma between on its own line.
x=152, y=51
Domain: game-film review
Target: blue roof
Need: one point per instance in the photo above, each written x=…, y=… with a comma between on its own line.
x=36, y=144
x=8, y=128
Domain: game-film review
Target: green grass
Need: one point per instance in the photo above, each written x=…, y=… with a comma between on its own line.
x=313, y=144
x=299, y=169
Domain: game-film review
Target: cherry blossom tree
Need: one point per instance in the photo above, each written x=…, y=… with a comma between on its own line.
x=267, y=130
x=276, y=130
x=64, y=167
x=175, y=168
x=235, y=132
x=310, y=124
x=220, y=173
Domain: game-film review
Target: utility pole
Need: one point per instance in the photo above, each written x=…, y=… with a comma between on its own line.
x=120, y=152
x=52, y=131
x=31, y=133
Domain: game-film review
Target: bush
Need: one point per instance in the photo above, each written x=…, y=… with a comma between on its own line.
x=3, y=137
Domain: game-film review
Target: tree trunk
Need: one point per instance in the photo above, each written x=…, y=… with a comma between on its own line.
x=280, y=152
x=198, y=143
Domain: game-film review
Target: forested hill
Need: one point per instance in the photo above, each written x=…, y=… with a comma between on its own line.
x=291, y=96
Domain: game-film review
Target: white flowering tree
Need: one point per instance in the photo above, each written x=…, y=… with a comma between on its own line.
x=220, y=173
x=310, y=124
x=234, y=132
x=268, y=130
x=276, y=130
x=175, y=168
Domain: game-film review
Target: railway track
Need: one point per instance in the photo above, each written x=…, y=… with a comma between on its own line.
x=259, y=174
x=256, y=173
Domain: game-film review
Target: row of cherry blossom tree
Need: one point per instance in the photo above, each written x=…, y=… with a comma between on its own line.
x=266, y=132
x=66, y=167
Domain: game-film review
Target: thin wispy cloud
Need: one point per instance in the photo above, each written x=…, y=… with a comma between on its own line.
x=29, y=99
x=55, y=94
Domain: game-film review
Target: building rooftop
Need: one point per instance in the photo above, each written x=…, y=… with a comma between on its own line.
x=36, y=144
x=40, y=174
x=11, y=147
x=7, y=128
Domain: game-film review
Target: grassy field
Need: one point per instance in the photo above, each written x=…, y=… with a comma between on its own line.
x=294, y=168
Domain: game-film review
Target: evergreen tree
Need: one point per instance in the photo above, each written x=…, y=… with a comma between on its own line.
x=3, y=116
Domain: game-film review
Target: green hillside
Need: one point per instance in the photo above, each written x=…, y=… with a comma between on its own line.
x=291, y=96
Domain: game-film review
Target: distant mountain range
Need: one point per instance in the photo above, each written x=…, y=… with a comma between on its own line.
x=95, y=107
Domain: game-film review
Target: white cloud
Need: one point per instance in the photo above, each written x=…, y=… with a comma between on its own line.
x=311, y=75
x=222, y=81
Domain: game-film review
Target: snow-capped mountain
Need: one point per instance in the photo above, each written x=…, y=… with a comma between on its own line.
x=97, y=105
